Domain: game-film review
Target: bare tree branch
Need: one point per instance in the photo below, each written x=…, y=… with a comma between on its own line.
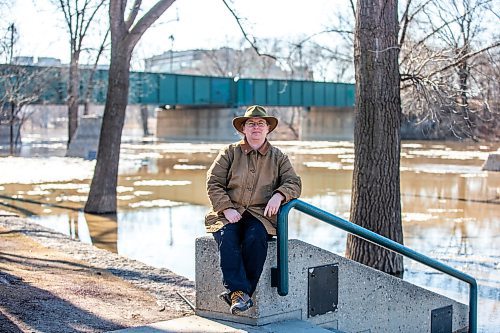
x=91, y=82
x=147, y=20
x=133, y=13
x=245, y=35
x=406, y=76
x=66, y=9
x=444, y=26
x=353, y=8
x=324, y=32
x=407, y=18
x=89, y=21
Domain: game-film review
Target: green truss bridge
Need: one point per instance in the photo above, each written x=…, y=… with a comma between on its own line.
x=48, y=85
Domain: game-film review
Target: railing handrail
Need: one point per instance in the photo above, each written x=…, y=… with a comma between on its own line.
x=282, y=251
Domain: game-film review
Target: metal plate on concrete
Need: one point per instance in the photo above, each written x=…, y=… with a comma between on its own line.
x=441, y=319
x=323, y=289
x=274, y=277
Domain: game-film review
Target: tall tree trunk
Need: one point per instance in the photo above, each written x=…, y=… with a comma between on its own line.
x=12, y=124
x=468, y=117
x=73, y=95
x=144, y=120
x=375, y=201
x=463, y=76
x=102, y=195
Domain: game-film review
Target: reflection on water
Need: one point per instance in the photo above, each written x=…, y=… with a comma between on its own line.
x=102, y=230
x=451, y=208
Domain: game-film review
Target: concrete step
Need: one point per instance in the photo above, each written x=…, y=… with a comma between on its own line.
x=326, y=289
x=197, y=324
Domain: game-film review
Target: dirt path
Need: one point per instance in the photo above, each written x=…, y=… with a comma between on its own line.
x=49, y=283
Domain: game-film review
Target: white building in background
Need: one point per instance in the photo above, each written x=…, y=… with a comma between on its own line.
x=225, y=62
x=48, y=61
x=24, y=61
x=40, y=61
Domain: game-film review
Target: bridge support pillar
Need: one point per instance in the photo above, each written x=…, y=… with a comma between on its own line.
x=85, y=141
x=328, y=123
x=202, y=124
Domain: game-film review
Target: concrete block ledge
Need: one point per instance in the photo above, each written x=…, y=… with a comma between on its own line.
x=368, y=300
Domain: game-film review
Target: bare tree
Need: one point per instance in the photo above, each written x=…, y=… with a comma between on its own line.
x=442, y=71
x=21, y=86
x=375, y=200
x=125, y=33
x=443, y=45
x=79, y=17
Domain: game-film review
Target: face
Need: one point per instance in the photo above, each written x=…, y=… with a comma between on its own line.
x=255, y=129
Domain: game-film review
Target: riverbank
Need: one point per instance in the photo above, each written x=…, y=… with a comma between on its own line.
x=51, y=283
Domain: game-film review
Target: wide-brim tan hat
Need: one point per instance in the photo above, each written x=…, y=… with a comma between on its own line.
x=252, y=112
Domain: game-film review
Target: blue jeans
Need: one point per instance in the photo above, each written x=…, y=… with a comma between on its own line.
x=243, y=250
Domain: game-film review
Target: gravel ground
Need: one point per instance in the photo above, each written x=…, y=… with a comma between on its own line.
x=173, y=293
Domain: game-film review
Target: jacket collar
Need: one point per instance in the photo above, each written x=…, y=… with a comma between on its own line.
x=247, y=148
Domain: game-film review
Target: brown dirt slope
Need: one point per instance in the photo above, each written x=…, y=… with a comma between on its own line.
x=48, y=289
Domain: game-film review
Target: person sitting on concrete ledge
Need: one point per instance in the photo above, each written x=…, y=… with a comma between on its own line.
x=247, y=183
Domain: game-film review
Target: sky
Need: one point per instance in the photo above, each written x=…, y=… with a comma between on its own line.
x=192, y=23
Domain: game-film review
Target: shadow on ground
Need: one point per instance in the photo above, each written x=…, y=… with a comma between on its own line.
x=27, y=308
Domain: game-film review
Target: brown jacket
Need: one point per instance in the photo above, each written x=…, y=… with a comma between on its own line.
x=245, y=179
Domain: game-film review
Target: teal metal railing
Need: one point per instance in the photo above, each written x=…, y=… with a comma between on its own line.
x=282, y=251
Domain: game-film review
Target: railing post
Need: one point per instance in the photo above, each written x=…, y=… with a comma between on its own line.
x=473, y=307
x=282, y=247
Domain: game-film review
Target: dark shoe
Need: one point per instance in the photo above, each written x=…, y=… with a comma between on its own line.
x=226, y=297
x=240, y=302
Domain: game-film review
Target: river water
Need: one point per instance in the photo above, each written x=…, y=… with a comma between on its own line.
x=451, y=208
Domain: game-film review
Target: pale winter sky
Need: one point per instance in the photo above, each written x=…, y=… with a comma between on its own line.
x=200, y=24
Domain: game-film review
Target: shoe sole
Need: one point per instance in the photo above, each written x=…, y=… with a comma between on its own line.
x=239, y=310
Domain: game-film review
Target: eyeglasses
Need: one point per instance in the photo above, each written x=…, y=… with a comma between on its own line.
x=252, y=124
